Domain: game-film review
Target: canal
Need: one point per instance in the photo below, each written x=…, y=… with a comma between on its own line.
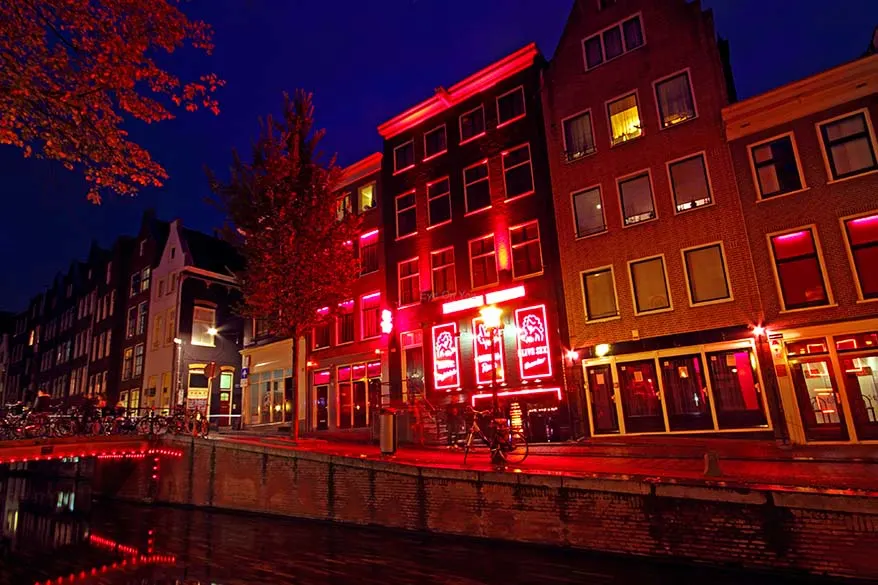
x=53, y=532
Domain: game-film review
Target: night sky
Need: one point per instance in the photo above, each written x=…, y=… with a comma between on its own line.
x=365, y=61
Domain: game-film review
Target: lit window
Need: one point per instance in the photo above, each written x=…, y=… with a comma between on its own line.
x=203, y=326
x=862, y=235
x=578, y=136
x=144, y=278
x=366, y=197
x=226, y=380
x=674, y=99
x=650, y=285
x=483, y=261
x=321, y=336
x=404, y=156
x=800, y=276
x=370, y=306
x=406, y=215
x=612, y=42
x=689, y=183
x=776, y=167
x=477, y=188
x=438, y=202
x=472, y=124
x=624, y=119
x=409, y=282
x=848, y=146
x=368, y=254
x=435, y=142
x=345, y=322
x=131, y=323
x=589, y=212
x=518, y=172
x=343, y=206
x=442, y=266
x=706, y=274
x=141, y=318
x=127, y=363
x=510, y=106
x=599, y=288
x=138, y=359
x=527, y=257
x=636, y=197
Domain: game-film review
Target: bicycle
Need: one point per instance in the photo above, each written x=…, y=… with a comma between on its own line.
x=504, y=443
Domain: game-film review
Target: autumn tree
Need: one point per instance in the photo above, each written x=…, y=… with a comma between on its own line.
x=298, y=248
x=72, y=72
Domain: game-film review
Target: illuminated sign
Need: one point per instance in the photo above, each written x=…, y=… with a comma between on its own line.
x=508, y=294
x=386, y=321
x=482, y=353
x=491, y=298
x=514, y=393
x=534, y=359
x=446, y=356
x=463, y=304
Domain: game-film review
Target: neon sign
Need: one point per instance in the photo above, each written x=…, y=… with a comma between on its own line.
x=482, y=347
x=534, y=359
x=386, y=321
x=491, y=298
x=512, y=393
x=446, y=357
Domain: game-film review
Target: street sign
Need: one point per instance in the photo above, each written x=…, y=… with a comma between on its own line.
x=245, y=373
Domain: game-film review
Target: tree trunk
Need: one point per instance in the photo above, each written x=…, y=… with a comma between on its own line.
x=295, y=426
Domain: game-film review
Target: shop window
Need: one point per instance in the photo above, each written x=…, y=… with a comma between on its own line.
x=847, y=143
x=518, y=172
x=369, y=253
x=689, y=183
x=366, y=197
x=442, y=267
x=776, y=167
x=641, y=401
x=527, y=255
x=799, y=271
x=612, y=42
x=370, y=308
x=706, y=274
x=649, y=281
x=477, y=187
x=346, y=322
x=409, y=282
x=435, y=142
x=483, y=262
x=578, y=136
x=599, y=289
x=858, y=358
x=624, y=117
x=438, y=202
x=321, y=336
x=203, y=326
x=736, y=393
x=589, y=211
x=472, y=124
x=406, y=215
x=814, y=346
x=404, y=156
x=856, y=342
x=635, y=194
x=674, y=99
x=862, y=239
x=510, y=106
x=685, y=388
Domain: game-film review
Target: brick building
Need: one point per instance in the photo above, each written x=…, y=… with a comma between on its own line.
x=469, y=224
x=660, y=291
x=805, y=159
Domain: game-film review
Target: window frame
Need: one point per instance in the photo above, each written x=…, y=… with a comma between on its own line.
x=363, y=337
x=573, y=209
x=466, y=185
x=338, y=328
x=849, y=250
x=636, y=93
x=447, y=195
x=600, y=33
x=414, y=206
x=506, y=152
x=416, y=276
x=444, y=128
x=396, y=170
x=628, y=177
x=372, y=241
x=725, y=261
x=469, y=251
x=753, y=170
x=360, y=209
x=567, y=159
x=687, y=71
x=637, y=311
x=870, y=134
x=196, y=307
x=314, y=346
x=710, y=191
x=520, y=88
x=512, y=247
x=460, y=125
x=596, y=270
x=818, y=250
x=433, y=270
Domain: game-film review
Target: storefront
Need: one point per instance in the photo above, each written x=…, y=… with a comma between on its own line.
x=267, y=383
x=345, y=396
x=828, y=378
x=697, y=389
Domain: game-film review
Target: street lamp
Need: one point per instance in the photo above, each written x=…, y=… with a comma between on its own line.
x=178, y=358
x=492, y=319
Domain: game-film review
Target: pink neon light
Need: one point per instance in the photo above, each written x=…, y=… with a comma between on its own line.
x=534, y=355
x=346, y=303
x=557, y=391
x=793, y=236
x=504, y=295
x=869, y=219
x=446, y=356
x=482, y=353
x=463, y=304
x=371, y=296
x=368, y=235
x=323, y=310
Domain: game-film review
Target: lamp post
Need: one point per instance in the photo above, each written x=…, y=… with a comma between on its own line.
x=492, y=318
x=178, y=347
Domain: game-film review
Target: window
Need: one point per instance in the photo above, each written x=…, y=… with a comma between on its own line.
x=370, y=306
x=131, y=324
x=599, y=290
x=578, y=136
x=510, y=106
x=109, y=272
x=435, y=142
x=144, y=278
x=366, y=198
x=112, y=302
x=321, y=336
x=442, y=268
x=158, y=331
x=636, y=197
x=483, y=261
x=589, y=212
x=345, y=322
x=862, y=238
x=799, y=272
x=689, y=183
x=518, y=172
x=477, y=187
x=161, y=287
x=343, y=206
x=438, y=202
x=612, y=42
x=135, y=284
x=107, y=345
x=173, y=253
x=203, y=326
x=369, y=253
x=776, y=167
x=624, y=119
x=848, y=146
x=172, y=326
x=172, y=280
x=527, y=257
x=650, y=285
x=472, y=124
x=138, y=360
x=404, y=156
x=406, y=215
x=673, y=96
x=141, y=318
x=127, y=363
x=409, y=282
x=706, y=274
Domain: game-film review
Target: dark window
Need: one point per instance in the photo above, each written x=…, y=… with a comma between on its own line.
x=409, y=282
x=321, y=336
x=472, y=124
x=798, y=270
x=135, y=284
x=477, y=188
x=197, y=380
x=650, y=285
x=578, y=136
x=589, y=212
x=442, y=266
x=599, y=289
x=674, y=98
x=637, y=203
x=706, y=272
x=848, y=145
x=483, y=262
x=406, y=215
x=518, y=172
x=370, y=307
x=633, y=33
x=404, y=156
x=689, y=183
x=438, y=202
x=368, y=254
x=613, y=43
x=775, y=166
x=346, y=323
x=435, y=142
x=862, y=236
x=594, y=54
x=527, y=257
x=131, y=326
x=510, y=106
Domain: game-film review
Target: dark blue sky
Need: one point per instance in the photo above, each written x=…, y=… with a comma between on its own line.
x=365, y=61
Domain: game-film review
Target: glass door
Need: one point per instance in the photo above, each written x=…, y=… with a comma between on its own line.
x=604, y=418
x=858, y=360
x=686, y=398
x=359, y=403
x=818, y=399
x=641, y=400
x=322, y=408
x=737, y=396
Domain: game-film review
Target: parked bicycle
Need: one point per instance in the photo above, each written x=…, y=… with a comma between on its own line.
x=504, y=443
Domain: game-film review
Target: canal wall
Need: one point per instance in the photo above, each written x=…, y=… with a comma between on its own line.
x=764, y=529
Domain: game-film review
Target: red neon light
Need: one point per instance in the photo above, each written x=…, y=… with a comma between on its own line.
x=482, y=349
x=361, y=168
x=321, y=377
x=386, y=321
x=463, y=304
x=869, y=219
x=792, y=236
x=371, y=296
x=501, y=296
x=556, y=391
x=369, y=235
x=323, y=310
x=534, y=357
x=446, y=356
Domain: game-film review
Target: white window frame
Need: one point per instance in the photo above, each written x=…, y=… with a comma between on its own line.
x=870, y=131
x=192, y=341
x=668, y=164
x=595, y=270
x=725, y=261
x=446, y=195
x=397, y=171
x=374, y=186
x=469, y=251
x=588, y=111
x=444, y=129
x=621, y=96
x=460, y=125
x=625, y=49
x=637, y=312
x=573, y=211
x=416, y=276
x=466, y=187
x=520, y=88
x=622, y=179
x=830, y=299
x=687, y=71
x=750, y=147
x=433, y=269
x=397, y=211
x=842, y=221
x=529, y=163
x=512, y=247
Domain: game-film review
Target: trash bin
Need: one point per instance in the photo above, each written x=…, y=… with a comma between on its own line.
x=388, y=438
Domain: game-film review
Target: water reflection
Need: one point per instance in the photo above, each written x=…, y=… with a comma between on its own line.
x=53, y=533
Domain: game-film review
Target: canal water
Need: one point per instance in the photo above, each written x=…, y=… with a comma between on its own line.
x=53, y=532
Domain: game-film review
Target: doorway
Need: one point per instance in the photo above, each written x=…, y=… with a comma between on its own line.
x=604, y=417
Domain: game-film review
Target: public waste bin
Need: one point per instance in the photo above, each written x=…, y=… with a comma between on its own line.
x=388, y=439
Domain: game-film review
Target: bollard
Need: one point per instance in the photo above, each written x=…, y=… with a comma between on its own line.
x=711, y=465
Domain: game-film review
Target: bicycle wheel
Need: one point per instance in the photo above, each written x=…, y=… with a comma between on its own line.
x=514, y=449
x=466, y=445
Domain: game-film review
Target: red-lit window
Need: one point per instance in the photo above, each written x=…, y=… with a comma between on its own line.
x=343, y=206
x=442, y=267
x=862, y=234
x=483, y=261
x=369, y=252
x=406, y=215
x=477, y=187
x=799, y=274
x=409, y=282
x=510, y=106
x=518, y=172
x=472, y=124
x=345, y=322
x=438, y=202
x=527, y=257
x=321, y=336
x=370, y=309
x=404, y=156
x=435, y=142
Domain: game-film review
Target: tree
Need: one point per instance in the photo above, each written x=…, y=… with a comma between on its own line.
x=283, y=209
x=71, y=73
